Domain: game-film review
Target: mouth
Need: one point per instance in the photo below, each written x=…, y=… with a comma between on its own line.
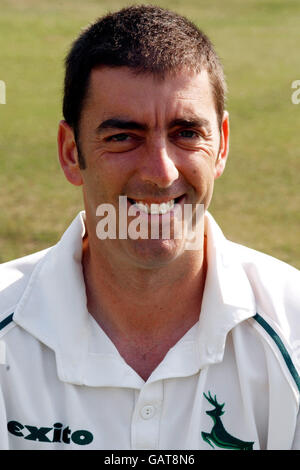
x=156, y=207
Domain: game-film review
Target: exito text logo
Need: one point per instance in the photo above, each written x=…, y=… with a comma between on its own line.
x=57, y=433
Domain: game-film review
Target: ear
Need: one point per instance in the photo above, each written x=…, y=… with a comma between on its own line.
x=224, y=147
x=68, y=154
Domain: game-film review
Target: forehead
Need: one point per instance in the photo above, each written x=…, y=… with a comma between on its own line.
x=119, y=92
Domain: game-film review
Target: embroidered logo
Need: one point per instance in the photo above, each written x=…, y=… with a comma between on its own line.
x=218, y=434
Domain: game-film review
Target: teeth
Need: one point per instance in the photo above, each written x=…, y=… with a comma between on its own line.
x=162, y=208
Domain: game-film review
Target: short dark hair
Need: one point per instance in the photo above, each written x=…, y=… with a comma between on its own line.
x=146, y=38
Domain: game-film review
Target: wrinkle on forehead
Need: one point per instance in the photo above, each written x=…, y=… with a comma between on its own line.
x=117, y=92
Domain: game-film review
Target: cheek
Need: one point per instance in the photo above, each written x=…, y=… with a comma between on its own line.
x=114, y=166
x=199, y=172
x=95, y=187
x=200, y=176
x=105, y=179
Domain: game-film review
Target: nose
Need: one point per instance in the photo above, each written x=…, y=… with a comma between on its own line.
x=158, y=167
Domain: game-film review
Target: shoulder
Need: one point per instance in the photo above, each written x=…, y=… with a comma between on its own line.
x=14, y=277
x=275, y=286
x=267, y=274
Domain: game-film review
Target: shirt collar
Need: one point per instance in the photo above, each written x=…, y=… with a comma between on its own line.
x=53, y=309
x=228, y=298
x=53, y=306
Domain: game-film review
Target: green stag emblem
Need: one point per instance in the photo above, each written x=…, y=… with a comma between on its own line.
x=218, y=435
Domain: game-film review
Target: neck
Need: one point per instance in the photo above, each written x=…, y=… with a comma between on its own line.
x=144, y=312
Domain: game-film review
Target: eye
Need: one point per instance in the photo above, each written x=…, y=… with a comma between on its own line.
x=188, y=134
x=188, y=139
x=118, y=138
x=122, y=142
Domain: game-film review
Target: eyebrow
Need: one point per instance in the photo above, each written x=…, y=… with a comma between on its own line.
x=116, y=123
x=124, y=124
x=193, y=122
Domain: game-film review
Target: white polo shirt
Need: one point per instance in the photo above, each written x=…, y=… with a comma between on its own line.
x=230, y=383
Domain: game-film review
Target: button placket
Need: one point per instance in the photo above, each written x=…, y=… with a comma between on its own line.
x=146, y=416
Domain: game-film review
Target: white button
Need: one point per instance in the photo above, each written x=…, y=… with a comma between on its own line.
x=147, y=411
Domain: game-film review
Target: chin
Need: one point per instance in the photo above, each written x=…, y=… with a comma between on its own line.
x=150, y=254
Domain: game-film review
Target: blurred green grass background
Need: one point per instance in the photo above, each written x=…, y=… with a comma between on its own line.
x=256, y=201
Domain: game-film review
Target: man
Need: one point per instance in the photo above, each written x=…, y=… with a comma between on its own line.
x=112, y=341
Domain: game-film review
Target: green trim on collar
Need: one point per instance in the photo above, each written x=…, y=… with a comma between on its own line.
x=6, y=321
x=281, y=347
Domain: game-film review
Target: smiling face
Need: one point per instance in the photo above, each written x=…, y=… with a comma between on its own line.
x=156, y=142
